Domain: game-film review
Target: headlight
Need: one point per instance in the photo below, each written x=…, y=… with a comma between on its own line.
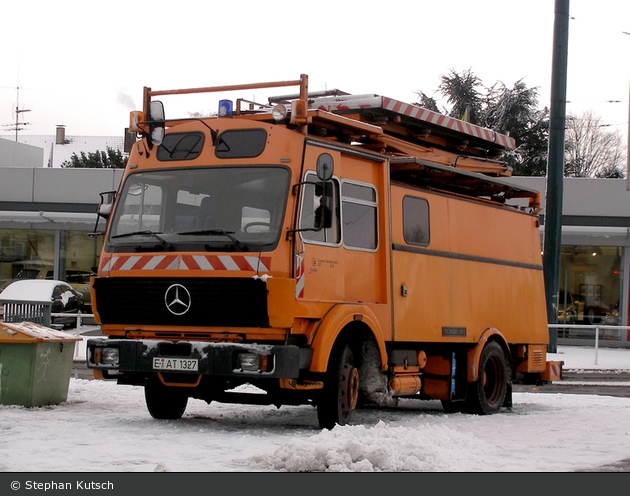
x=252, y=362
x=106, y=356
x=279, y=112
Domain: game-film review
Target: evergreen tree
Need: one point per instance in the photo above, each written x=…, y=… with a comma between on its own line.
x=112, y=158
x=463, y=94
x=426, y=102
x=511, y=111
x=514, y=112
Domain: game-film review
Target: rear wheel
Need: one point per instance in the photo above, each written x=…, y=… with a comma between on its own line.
x=487, y=394
x=341, y=389
x=165, y=403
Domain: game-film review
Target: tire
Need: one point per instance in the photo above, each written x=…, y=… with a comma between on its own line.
x=487, y=394
x=165, y=403
x=341, y=389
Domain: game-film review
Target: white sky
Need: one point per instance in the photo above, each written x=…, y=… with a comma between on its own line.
x=84, y=65
x=105, y=427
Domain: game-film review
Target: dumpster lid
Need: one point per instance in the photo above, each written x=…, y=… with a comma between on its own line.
x=29, y=332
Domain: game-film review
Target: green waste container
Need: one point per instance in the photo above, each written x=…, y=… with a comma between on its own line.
x=35, y=364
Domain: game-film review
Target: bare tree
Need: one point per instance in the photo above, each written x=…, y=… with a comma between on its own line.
x=591, y=150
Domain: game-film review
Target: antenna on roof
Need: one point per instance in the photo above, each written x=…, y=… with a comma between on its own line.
x=18, y=126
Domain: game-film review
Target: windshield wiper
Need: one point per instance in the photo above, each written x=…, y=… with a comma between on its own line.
x=218, y=232
x=146, y=232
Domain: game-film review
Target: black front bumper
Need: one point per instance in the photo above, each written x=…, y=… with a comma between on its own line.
x=214, y=359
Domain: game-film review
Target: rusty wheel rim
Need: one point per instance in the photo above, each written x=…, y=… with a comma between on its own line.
x=350, y=388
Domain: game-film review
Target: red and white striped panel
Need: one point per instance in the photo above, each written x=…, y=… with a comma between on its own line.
x=448, y=122
x=299, y=276
x=187, y=262
x=555, y=370
x=356, y=102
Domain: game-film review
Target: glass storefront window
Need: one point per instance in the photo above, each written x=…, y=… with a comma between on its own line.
x=23, y=253
x=30, y=254
x=590, y=288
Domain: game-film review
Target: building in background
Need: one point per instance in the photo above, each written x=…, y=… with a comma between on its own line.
x=594, y=276
x=46, y=214
x=55, y=149
x=47, y=211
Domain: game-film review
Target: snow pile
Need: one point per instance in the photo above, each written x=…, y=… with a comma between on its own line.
x=381, y=448
x=105, y=427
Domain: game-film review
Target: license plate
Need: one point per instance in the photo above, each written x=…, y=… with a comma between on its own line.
x=181, y=364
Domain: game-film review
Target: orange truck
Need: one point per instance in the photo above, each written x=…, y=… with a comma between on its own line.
x=323, y=248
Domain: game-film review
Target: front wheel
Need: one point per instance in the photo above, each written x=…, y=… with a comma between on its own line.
x=165, y=403
x=487, y=394
x=341, y=389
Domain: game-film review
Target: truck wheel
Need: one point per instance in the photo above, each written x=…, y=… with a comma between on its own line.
x=486, y=395
x=165, y=403
x=341, y=389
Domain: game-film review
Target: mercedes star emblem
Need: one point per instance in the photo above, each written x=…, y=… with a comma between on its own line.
x=177, y=299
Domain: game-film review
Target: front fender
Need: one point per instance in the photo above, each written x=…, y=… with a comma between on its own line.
x=329, y=328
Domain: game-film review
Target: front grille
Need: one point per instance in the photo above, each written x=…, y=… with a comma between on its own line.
x=213, y=302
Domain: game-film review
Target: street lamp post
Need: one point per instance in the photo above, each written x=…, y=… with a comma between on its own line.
x=555, y=166
x=628, y=141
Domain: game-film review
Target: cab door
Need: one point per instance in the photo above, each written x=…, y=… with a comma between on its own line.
x=348, y=260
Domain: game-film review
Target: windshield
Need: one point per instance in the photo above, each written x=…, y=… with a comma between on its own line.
x=212, y=209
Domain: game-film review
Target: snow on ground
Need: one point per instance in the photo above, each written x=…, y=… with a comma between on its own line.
x=104, y=427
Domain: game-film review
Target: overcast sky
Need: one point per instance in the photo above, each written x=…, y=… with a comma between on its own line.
x=84, y=64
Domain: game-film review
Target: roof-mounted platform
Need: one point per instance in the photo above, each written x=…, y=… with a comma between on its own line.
x=372, y=122
x=416, y=122
x=429, y=175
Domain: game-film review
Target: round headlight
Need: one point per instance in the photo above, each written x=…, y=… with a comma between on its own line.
x=279, y=112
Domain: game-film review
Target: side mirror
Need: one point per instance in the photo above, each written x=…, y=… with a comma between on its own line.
x=104, y=209
x=107, y=202
x=324, y=167
x=156, y=122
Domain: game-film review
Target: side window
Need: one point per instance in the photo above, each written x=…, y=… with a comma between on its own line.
x=358, y=203
x=416, y=221
x=312, y=192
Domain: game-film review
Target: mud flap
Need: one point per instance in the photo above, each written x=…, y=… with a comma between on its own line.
x=507, y=402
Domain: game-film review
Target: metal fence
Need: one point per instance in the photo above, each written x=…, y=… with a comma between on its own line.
x=39, y=312
x=594, y=329
x=78, y=316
